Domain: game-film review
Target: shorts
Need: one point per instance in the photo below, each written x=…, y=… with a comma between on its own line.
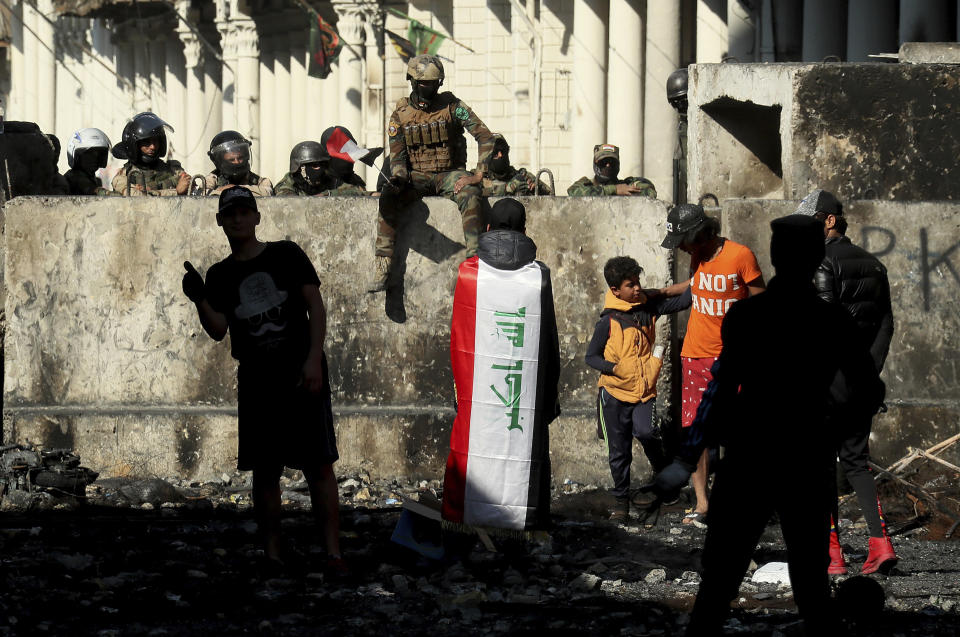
x=281, y=424
x=696, y=377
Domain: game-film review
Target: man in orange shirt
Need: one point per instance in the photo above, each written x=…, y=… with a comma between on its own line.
x=721, y=273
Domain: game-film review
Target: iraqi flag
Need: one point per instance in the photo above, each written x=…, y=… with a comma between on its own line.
x=505, y=358
x=342, y=145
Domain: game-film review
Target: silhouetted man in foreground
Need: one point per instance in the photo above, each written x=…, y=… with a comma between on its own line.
x=767, y=406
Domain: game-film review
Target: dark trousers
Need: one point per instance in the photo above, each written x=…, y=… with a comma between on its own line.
x=744, y=497
x=620, y=422
x=853, y=453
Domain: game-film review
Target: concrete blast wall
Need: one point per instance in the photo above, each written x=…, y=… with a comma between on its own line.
x=104, y=353
x=920, y=245
x=862, y=131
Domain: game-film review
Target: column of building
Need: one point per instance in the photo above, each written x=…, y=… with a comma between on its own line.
x=195, y=112
x=824, y=29
x=871, y=28
x=659, y=118
x=625, y=88
x=589, y=83
x=350, y=25
x=374, y=126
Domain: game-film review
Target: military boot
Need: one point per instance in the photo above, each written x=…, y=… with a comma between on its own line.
x=381, y=272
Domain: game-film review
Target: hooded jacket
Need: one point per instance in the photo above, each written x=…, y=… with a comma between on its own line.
x=622, y=345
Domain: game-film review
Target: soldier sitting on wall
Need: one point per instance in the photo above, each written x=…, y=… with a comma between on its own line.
x=144, y=145
x=87, y=152
x=428, y=156
x=307, y=168
x=606, y=165
x=504, y=179
x=230, y=153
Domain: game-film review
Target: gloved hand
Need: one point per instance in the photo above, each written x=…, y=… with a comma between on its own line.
x=193, y=285
x=668, y=483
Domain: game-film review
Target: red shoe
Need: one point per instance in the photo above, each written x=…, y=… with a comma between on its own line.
x=838, y=566
x=881, y=556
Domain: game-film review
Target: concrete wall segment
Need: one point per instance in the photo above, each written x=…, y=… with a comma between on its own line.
x=919, y=243
x=104, y=352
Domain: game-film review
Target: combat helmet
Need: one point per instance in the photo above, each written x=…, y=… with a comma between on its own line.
x=308, y=152
x=425, y=68
x=230, y=141
x=87, y=139
x=142, y=126
x=677, y=90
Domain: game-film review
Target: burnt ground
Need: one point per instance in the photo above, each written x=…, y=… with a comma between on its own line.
x=148, y=558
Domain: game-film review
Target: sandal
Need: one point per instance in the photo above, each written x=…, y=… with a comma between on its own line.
x=695, y=518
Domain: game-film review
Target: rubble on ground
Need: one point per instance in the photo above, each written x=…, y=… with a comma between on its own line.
x=178, y=557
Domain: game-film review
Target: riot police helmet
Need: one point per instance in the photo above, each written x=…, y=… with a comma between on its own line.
x=230, y=153
x=92, y=140
x=677, y=90
x=142, y=127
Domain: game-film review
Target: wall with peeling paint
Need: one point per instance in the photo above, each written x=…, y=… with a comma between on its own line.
x=103, y=352
x=862, y=131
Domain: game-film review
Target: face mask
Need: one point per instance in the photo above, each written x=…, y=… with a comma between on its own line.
x=229, y=169
x=147, y=159
x=608, y=172
x=426, y=92
x=501, y=165
x=311, y=174
x=89, y=162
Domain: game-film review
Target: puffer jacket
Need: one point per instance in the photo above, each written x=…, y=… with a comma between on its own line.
x=631, y=369
x=856, y=279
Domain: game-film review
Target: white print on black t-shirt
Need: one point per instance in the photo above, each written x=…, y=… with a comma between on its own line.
x=261, y=304
x=713, y=283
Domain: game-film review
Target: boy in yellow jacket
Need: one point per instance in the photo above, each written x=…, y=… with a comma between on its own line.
x=623, y=351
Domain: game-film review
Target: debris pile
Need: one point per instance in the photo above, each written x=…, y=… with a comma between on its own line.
x=179, y=557
x=26, y=470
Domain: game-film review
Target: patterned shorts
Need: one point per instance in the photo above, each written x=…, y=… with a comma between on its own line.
x=696, y=377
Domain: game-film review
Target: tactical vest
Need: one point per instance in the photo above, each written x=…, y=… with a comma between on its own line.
x=434, y=140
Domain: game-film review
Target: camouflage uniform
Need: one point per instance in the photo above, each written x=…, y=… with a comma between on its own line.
x=586, y=187
x=514, y=183
x=159, y=182
x=428, y=147
x=292, y=184
x=82, y=183
x=259, y=186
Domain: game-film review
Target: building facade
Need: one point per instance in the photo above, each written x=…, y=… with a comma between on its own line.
x=555, y=77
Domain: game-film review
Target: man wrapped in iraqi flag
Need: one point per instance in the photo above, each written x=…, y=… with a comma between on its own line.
x=505, y=356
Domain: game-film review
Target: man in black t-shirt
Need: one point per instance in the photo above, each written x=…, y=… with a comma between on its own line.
x=267, y=295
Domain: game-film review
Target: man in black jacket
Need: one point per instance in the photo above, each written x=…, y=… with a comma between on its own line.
x=854, y=278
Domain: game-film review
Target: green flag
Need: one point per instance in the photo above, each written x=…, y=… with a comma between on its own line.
x=426, y=41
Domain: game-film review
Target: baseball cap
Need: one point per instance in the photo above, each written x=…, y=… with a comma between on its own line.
x=819, y=201
x=681, y=220
x=507, y=214
x=237, y=196
x=602, y=151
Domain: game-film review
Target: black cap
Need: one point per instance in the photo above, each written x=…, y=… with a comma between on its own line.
x=508, y=214
x=237, y=196
x=819, y=201
x=682, y=220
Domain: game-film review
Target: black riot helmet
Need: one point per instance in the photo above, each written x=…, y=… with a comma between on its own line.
x=142, y=126
x=306, y=161
x=677, y=90
x=230, y=153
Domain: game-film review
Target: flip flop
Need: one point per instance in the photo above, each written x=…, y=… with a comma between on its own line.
x=695, y=518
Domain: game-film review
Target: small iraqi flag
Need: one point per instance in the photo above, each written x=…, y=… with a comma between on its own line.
x=341, y=145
